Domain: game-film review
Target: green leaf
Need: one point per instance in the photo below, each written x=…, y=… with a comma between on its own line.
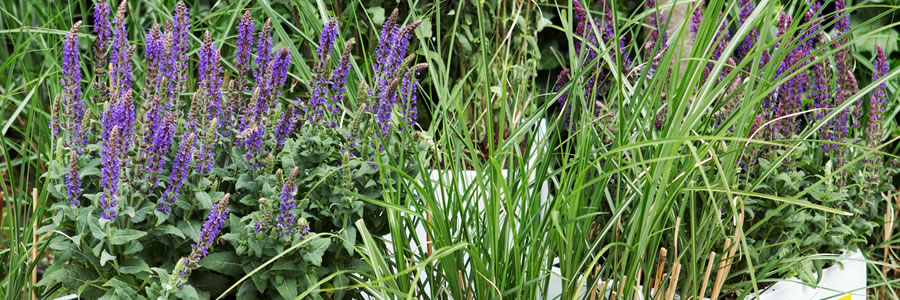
x=122, y=236
x=245, y=183
x=93, y=224
x=105, y=257
x=134, y=265
x=226, y=263
x=204, y=202
x=287, y=288
x=315, y=249
x=70, y=276
x=349, y=237
x=188, y=292
x=168, y=229
x=190, y=229
x=122, y=289
x=246, y=290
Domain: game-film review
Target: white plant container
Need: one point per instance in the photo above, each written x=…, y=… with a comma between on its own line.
x=844, y=280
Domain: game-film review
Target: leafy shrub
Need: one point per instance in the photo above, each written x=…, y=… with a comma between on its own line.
x=165, y=197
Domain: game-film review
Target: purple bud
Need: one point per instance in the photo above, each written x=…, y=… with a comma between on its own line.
x=73, y=180
x=112, y=163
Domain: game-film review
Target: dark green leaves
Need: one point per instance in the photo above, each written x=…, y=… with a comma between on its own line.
x=122, y=236
x=226, y=262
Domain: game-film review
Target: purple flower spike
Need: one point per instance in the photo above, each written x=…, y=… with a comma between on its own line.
x=696, y=18
x=71, y=106
x=101, y=24
x=580, y=21
x=408, y=88
x=878, y=100
x=210, y=71
x=120, y=53
x=326, y=40
x=244, y=43
x=180, y=45
x=212, y=228
x=103, y=29
x=339, y=79
x=288, y=204
x=179, y=173
x=657, y=35
x=263, y=56
x=751, y=38
x=73, y=180
x=242, y=110
x=158, y=141
x=112, y=146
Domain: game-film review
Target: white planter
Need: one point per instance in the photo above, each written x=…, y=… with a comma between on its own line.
x=845, y=280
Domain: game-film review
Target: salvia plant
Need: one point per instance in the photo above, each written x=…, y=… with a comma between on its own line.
x=196, y=178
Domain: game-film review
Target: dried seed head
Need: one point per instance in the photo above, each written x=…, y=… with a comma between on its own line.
x=419, y=67
x=409, y=28
x=74, y=29
x=123, y=7
x=392, y=21
x=267, y=27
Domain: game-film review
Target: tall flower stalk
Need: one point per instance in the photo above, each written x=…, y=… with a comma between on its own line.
x=70, y=114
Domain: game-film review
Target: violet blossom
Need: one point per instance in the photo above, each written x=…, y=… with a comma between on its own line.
x=288, y=204
x=179, y=173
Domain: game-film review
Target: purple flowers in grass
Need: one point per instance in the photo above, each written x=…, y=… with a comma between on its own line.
x=70, y=113
x=408, y=88
x=878, y=100
x=120, y=53
x=389, y=58
x=747, y=44
x=181, y=23
x=103, y=30
x=696, y=18
x=328, y=92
